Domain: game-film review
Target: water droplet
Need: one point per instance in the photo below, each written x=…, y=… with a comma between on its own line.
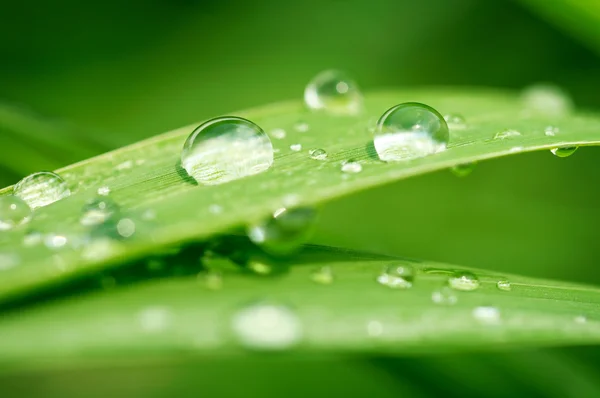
x=547, y=99
x=154, y=319
x=444, y=296
x=581, y=319
x=41, y=189
x=296, y=147
x=351, y=166
x=13, y=212
x=318, y=154
x=56, y=241
x=551, y=131
x=506, y=134
x=504, y=285
x=463, y=280
x=285, y=232
x=564, y=152
x=278, y=134
x=103, y=191
x=397, y=276
x=98, y=211
x=464, y=169
x=215, y=209
x=323, y=275
x=9, y=260
x=487, y=314
x=455, y=121
x=267, y=327
x=334, y=92
x=301, y=127
x=126, y=227
x=226, y=149
x=410, y=130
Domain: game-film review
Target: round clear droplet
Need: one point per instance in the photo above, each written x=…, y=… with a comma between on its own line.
x=13, y=212
x=226, y=149
x=41, y=189
x=410, y=130
x=351, y=166
x=504, y=285
x=463, y=280
x=98, y=211
x=397, y=276
x=285, y=232
x=464, y=169
x=564, y=151
x=318, y=154
x=270, y=327
x=335, y=92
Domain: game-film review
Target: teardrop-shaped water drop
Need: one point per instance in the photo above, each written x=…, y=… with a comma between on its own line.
x=266, y=326
x=13, y=212
x=564, y=151
x=285, y=232
x=397, y=276
x=334, y=92
x=41, y=189
x=226, y=149
x=408, y=131
x=463, y=280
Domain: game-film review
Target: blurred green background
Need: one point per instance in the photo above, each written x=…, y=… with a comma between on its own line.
x=78, y=79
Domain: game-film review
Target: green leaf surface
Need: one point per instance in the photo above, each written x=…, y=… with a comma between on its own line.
x=147, y=176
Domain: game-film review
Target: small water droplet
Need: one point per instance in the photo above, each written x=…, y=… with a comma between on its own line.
x=265, y=326
x=301, y=127
x=581, y=319
x=323, y=275
x=318, y=154
x=13, y=212
x=41, y=189
x=334, y=92
x=463, y=280
x=226, y=149
x=296, y=147
x=564, y=151
x=98, y=211
x=351, y=166
x=285, y=232
x=455, y=122
x=215, y=209
x=506, y=134
x=551, y=131
x=504, y=285
x=408, y=131
x=464, y=169
x=56, y=241
x=444, y=296
x=126, y=227
x=154, y=319
x=9, y=260
x=547, y=99
x=397, y=276
x=487, y=314
x=278, y=134
x=103, y=191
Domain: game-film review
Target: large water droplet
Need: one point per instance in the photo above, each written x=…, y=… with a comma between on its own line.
x=547, y=99
x=464, y=169
x=397, y=276
x=564, y=151
x=463, y=280
x=13, y=212
x=269, y=327
x=41, y=189
x=334, y=92
x=318, y=154
x=410, y=130
x=98, y=211
x=226, y=149
x=504, y=285
x=444, y=296
x=285, y=232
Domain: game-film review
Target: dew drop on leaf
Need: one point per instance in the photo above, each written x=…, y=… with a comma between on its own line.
x=506, y=134
x=13, y=212
x=103, y=191
x=397, y=276
x=504, y=285
x=318, y=154
x=226, y=149
x=335, y=92
x=581, y=319
x=351, y=167
x=463, y=280
x=408, y=131
x=41, y=189
x=296, y=147
x=268, y=327
x=564, y=151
